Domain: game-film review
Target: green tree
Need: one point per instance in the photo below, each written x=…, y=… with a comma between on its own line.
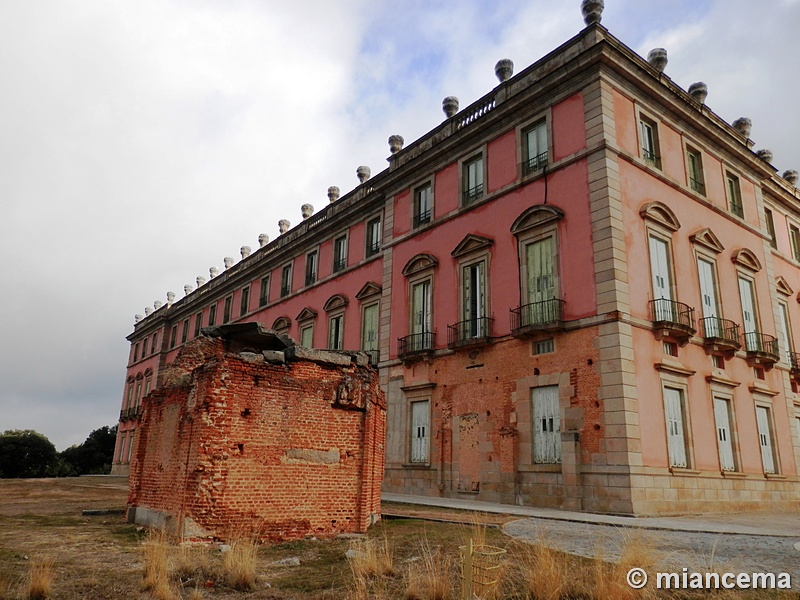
x=94, y=456
x=26, y=453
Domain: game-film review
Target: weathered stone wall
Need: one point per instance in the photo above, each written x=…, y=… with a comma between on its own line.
x=234, y=444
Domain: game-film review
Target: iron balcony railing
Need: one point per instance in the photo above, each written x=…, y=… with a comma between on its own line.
x=127, y=414
x=311, y=278
x=373, y=248
x=534, y=163
x=339, y=264
x=374, y=356
x=673, y=313
x=794, y=360
x=469, y=196
x=651, y=158
x=285, y=290
x=537, y=314
x=416, y=343
x=761, y=343
x=422, y=218
x=471, y=331
x=720, y=330
x=697, y=186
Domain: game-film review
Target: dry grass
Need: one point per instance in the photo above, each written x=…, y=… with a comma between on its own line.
x=239, y=565
x=372, y=558
x=40, y=578
x=431, y=577
x=544, y=573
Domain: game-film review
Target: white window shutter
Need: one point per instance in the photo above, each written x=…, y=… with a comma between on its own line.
x=723, y=420
x=420, y=434
x=546, y=425
x=762, y=420
x=675, y=438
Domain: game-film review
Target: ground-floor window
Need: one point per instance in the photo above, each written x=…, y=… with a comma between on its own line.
x=420, y=431
x=546, y=424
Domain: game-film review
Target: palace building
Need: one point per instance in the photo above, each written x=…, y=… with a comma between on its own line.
x=580, y=291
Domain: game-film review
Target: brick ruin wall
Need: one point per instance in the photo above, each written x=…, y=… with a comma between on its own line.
x=235, y=444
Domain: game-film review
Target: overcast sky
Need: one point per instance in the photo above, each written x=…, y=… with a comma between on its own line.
x=142, y=142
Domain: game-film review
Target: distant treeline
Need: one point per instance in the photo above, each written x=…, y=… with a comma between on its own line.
x=28, y=453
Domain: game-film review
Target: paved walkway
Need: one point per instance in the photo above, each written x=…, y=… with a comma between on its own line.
x=751, y=523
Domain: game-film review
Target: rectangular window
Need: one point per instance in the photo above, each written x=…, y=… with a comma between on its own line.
x=286, y=281
x=129, y=400
x=765, y=439
x=373, y=237
x=421, y=307
x=540, y=283
x=676, y=436
x=773, y=240
x=474, y=300
x=311, y=268
x=336, y=332
x=138, y=394
x=136, y=352
x=535, y=147
x=794, y=238
x=712, y=326
x=244, y=302
x=226, y=313
x=185, y=333
x=420, y=432
x=369, y=331
x=747, y=297
x=544, y=346
x=734, y=195
x=423, y=205
x=147, y=383
x=307, y=336
x=694, y=162
x=173, y=337
x=649, y=134
x=785, y=332
x=121, y=451
x=546, y=425
x=130, y=446
x=263, y=297
x=722, y=416
x=473, y=180
x=212, y=315
x=154, y=343
x=144, y=347
x=198, y=324
x=339, y=253
x=663, y=307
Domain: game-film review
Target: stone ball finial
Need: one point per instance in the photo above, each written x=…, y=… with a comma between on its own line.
x=592, y=11
x=263, y=240
x=699, y=91
x=137, y=317
x=245, y=251
x=396, y=143
x=765, y=154
x=170, y=298
x=213, y=272
x=187, y=289
x=148, y=311
x=450, y=106
x=333, y=193
x=363, y=173
x=504, y=69
x=283, y=226
x=306, y=210
x=657, y=57
x=228, y=262
x=158, y=304
x=743, y=125
x=791, y=176
x=200, y=281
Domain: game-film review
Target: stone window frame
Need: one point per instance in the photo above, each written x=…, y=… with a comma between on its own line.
x=286, y=281
x=743, y=272
x=212, y=315
x=706, y=246
x=522, y=149
x=282, y=325
x=769, y=220
x=416, y=215
x=129, y=393
x=730, y=176
x=373, y=249
x=678, y=380
x=723, y=389
x=793, y=227
x=311, y=278
x=477, y=197
x=121, y=449
x=306, y=320
x=419, y=269
x=227, y=310
x=783, y=302
x=173, y=337
x=688, y=149
x=244, y=300
x=417, y=393
x=344, y=260
x=474, y=250
x=522, y=418
x=764, y=401
x=198, y=323
x=529, y=236
x=369, y=296
x=263, y=292
x=336, y=307
x=661, y=223
x=646, y=117
x=131, y=439
x=185, y=331
x=153, y=343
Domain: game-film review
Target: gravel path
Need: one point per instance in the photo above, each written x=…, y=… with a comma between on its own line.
x=699, y=552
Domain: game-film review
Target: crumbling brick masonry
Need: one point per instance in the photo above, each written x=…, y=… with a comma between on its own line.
x=249, y=434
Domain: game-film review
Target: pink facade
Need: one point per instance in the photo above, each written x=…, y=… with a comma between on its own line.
x=574, y=298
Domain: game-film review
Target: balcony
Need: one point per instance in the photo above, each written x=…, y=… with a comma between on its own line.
x=471, y=195
x=129, y=414
x=374, y=356
x=311, y=278
x=422, y=218
x=285, y=290
x=794, y=361
x=373, y=248
x=416, y=345
x=697, y=185
x=472, y=332
x=762, y=349
x=339, y=264
x=651, y=158
x=672, y=319
x=535, y=163
x=720, y=335
x=545, y=315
